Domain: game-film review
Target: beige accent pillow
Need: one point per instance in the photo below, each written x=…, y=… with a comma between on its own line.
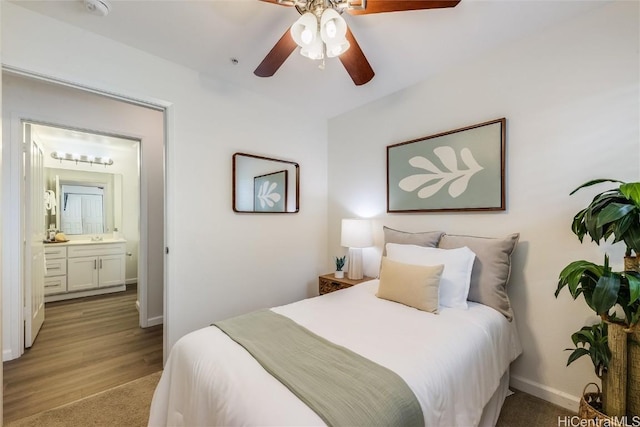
x=412, y=285
x=491, y=269
x=426, y=238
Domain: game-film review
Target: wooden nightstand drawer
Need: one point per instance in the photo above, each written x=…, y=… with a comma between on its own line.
x=329, y=283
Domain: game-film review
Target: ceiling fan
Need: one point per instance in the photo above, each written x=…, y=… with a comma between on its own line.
x=322, y=32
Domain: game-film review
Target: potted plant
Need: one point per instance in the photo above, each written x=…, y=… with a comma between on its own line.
x=614, y=213
x=613, y=296
x=339, y=274
x=592, y=341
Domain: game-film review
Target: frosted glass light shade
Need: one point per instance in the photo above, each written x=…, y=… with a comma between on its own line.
x=313, y=51
x=305, y=30
x=333, y=28
x=337, y=49
x=356, y=233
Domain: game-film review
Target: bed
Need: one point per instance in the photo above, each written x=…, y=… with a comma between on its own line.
x=455, y=360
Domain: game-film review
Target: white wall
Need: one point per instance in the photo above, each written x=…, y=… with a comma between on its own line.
x=220, y=263
x=570, y=95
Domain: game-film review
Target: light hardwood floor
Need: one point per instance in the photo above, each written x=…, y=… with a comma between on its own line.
x=85, y=346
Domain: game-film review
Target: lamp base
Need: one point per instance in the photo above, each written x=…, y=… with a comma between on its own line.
x=355, y=264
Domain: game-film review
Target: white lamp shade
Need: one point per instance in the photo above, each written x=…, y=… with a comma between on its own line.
x=333, y=28
x=313, y=51
x=356, y=233
x=305, y=30
x=337, y=49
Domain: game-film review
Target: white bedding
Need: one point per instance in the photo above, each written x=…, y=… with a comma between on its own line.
x=452, y=361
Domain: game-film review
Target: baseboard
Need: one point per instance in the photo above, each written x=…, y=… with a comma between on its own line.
x=153, y=321
x=544, y=392
x=131, y=281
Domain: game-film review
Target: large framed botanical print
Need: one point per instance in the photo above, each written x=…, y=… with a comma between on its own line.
x=458, y=170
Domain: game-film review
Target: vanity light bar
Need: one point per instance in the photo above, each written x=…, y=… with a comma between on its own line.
x=82, y=158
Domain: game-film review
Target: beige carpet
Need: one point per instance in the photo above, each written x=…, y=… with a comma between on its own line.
x=128, y=406
x=523, y=410
x=125, y=405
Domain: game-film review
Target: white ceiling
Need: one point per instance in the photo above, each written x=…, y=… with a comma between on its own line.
x=402, y=47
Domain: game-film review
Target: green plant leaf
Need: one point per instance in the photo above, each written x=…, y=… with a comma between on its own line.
x=584, y=335
x=621, y=227
x=577, y=226
x=613, y=212
x=592, y=341
x=631, y=191
x=605, y=294
x=594, y=182
x=632, y=236
x=579, y=276
x=591, y=224
x=577, y=354
x=634, y=287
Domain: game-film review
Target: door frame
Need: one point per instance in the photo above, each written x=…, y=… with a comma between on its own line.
x=12, y=244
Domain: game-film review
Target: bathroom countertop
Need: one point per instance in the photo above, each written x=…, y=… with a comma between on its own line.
x=85, y=242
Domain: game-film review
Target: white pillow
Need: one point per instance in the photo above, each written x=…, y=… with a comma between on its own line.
x=456, y=277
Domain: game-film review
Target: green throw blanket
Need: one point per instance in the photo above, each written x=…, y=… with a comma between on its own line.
x=342, y=387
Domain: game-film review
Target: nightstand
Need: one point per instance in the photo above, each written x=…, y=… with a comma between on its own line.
x=329, y=283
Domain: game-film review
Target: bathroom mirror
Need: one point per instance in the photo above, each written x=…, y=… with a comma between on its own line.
x=265, y=185
x=86, y=202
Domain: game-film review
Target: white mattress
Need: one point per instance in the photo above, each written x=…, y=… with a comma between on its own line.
x=452, y=361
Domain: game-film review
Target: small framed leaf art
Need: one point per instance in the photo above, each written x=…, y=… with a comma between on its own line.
x=459, y=170
x=270, y=192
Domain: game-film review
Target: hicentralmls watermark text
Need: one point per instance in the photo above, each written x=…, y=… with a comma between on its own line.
x=576, y=421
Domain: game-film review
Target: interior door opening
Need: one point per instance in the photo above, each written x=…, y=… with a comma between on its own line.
x=90, y=228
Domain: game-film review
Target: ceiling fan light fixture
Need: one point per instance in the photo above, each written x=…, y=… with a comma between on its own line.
x=337, y=49
x=305, y=30
x=333, y=28
x=313, y=51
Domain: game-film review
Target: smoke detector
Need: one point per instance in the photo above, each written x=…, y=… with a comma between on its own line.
x=97, y=7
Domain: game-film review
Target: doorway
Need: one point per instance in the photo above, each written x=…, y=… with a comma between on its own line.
x=32, y=99
x=92, y=193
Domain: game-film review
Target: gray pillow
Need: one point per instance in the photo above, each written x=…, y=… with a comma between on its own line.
x=426, y=238
x=491, y=268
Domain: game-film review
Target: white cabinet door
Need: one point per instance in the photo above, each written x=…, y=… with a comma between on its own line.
x=82, y=273
x=111, y=270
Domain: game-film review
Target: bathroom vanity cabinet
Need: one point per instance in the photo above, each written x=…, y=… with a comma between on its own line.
x=80, y=268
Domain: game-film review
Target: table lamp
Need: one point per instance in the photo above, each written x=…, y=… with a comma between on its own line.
x=356, y=234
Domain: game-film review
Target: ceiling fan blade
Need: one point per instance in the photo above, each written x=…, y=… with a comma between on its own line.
x=382, y=6
x=276, y=56
x=355, y=62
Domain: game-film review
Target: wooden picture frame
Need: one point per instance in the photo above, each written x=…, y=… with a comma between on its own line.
x=246, y=167
x=458, y=170
x=270, y=192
